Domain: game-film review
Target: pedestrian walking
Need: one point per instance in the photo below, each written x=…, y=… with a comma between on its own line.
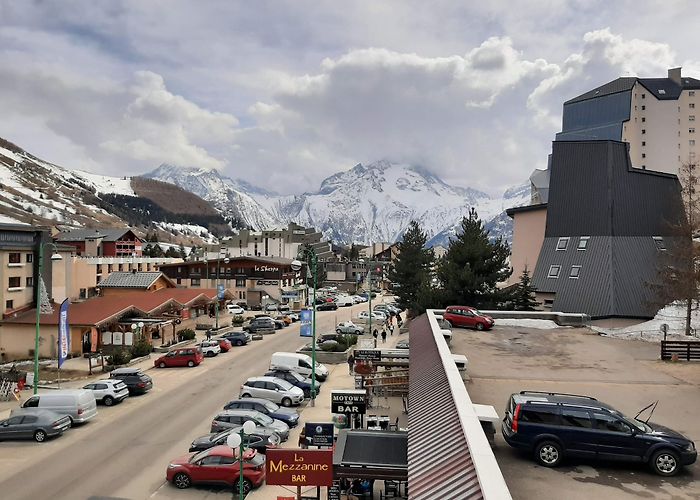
x=351, y=363
x=209, y=334
x=391, y=329
x=383, y=336
x=375, y=334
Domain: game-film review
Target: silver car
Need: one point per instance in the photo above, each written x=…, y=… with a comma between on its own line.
x=273, y=389
x=264, y=425
x=33, y=423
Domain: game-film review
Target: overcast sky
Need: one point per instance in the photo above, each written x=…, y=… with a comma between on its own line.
x=286, y=93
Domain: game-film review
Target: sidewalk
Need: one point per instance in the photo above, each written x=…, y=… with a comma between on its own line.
x=338, y=378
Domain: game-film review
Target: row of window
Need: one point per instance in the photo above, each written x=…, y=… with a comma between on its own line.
x=570, y=417
x=16, y=258
x=563, y=243
x=555, y=269
x=240, y=283
x=16, y=281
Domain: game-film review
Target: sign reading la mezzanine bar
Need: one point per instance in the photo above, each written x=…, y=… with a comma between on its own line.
x=299, y=467
x=349, y=402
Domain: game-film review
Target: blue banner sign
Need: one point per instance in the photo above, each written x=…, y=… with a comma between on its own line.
x=305, y=319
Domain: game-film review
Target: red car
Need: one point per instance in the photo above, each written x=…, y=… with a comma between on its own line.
x=225, y=344
x=185, y=356
x=217, y=465
x=467, y=317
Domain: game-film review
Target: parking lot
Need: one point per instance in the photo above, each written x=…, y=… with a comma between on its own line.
x=625, y=374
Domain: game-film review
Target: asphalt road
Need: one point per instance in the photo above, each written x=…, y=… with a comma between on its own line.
x=124, y=451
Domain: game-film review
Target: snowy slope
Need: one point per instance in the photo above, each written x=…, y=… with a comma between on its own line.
x=365, y=204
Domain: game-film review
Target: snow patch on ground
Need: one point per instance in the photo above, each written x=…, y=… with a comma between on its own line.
x=107, y=184
x=4, y=219
x=544, y=324
x=672, y=315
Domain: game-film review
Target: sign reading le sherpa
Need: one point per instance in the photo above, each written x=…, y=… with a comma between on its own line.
x=349, y=402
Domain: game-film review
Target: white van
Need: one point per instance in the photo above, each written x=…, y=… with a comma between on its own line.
x=344, y=300
x=300, y=363
x=78, y=404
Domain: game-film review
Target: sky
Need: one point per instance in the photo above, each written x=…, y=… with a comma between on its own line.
x=283, y=94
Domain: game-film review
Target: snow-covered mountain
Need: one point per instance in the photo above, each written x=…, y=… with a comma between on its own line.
x=367, y=203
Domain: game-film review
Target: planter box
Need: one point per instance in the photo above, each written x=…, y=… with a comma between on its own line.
x=174, y=346
x=256, y=336
x=329, y=358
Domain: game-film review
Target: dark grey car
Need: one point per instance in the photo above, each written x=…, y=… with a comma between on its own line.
x=33, y=423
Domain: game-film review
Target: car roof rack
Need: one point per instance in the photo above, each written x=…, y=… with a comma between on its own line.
x=558, y=394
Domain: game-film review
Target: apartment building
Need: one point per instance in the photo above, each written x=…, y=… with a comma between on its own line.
x=103, y=242
x=657, y=117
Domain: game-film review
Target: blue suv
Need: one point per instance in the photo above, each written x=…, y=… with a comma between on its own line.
x=553, y=426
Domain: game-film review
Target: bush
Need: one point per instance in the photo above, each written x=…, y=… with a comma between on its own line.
x=238, y=319
x=142, y=347
x=186, y=334
x=119, y=357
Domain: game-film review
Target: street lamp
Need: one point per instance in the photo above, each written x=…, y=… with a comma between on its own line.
x=236, y=441
x=218, y=268
x=54, y=257
x=309, y=255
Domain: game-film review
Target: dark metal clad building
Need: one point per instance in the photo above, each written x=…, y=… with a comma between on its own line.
x=606, y=222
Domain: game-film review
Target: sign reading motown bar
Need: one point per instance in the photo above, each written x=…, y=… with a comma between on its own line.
x=349, y=402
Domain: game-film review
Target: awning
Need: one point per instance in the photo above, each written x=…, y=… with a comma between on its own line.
x=371, y=455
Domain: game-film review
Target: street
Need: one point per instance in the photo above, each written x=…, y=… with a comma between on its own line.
x=124, y=451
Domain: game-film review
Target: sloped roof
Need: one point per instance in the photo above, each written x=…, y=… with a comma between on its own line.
x=106, y=234
x=132, y=280
x=618, y=85
x=670, y=89
x=264, y=260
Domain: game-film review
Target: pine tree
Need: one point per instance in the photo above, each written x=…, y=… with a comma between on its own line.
x=524, y=295
x=411, y=270
x=473, y=265
x=181, y=251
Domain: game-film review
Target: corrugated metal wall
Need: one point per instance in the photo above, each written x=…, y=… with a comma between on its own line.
x=597, y=118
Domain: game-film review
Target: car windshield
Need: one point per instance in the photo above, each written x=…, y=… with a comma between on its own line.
x=220, y=435
x=284, y=385
x=639, y=424
x=264, y=420
x=296, y=376
x=198, y=456
x=270, y=406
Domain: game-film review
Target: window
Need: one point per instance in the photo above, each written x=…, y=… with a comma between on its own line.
x=691, y=118
x=644, y=96
x=562, y=243
x=9, y=304
x=691, y=92
x=14, y=258
x=644, y=155
x=691, y=105
x=195, y=282
x=643, y=119
x=576, y=418
x=644, y=143
x=240, y=282
x=691, y=142
x=540, y=416
x=583, y=242
x=607, y=422
x=554, y=271
x=644, y=131
x=14, y=282
x=691, y=130
x=575, y=271
x=178, y=281
x=30, y=281
x=29, y=258
x=659, y=241
x=643, y=108
x=211, y=460
x=662, y=91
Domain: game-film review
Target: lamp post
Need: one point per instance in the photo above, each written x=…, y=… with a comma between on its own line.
x=218, y=269
x=54, y=256
x=309, y=255
x=236, y=441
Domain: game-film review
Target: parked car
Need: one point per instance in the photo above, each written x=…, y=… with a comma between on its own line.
x=387, y=309
x=264, y=425
x=256, y=442
x=349, y=327
x=283, y=308
x=217, y=465
x=467, y=317
x=295, y=379
x=274, y=389
x=108, y=392
x=285, y=318
x=33, y=423
x=260, y=325
x=237, y=338
x=327, y=306
x=136, y=381
x=356, y=299
x=255, y=307
x=344, y=301
x=294, y=317
x=554, y=426
x=234, y=309
x=185, y=356
x=271, y=307
x=273, y=410
x=224, y=344
x=402, y=344
x=210, y=348
x=300, y=363
x=77, y=404
x=376, y=315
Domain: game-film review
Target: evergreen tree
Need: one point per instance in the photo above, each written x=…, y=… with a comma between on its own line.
x=411, y=270
x=171, y=252
x=354, y=253
x=524, y=294
x=473, y=265
x=157, y=251
x=181, y=251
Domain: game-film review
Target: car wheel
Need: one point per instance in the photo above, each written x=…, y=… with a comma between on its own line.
x=247, y=486
x=479, y=326
x=337, y=330
x=239, y=343
x=245, y=395
x=161, y=365
x=549, y=453
x=665, y=463
x=286, y=402
x=190, y=363
x=182, y=480
x=108, y=400
x=39, y=436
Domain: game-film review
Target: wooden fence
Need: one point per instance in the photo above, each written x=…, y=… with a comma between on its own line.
x=688, y=350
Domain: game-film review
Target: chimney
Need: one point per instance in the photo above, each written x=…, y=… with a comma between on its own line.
x=675, y=75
